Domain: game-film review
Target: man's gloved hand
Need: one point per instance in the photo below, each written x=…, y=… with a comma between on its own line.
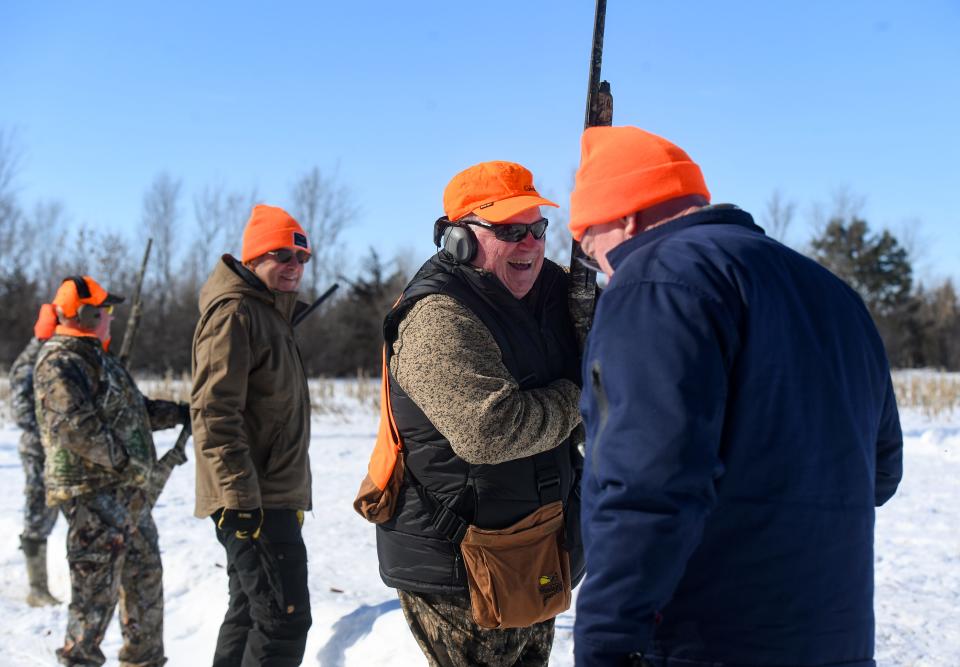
x=184, y=408
x=243, y=523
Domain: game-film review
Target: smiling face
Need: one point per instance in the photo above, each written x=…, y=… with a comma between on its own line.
x=516, y=265
x=277, y=276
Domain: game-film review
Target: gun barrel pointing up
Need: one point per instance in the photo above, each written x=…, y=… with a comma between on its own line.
x=134, y=320
x=583, y=280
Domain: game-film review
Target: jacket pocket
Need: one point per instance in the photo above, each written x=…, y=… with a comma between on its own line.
x=275, y=450
x=286, y=565
x=603, y=408
x=259, y=578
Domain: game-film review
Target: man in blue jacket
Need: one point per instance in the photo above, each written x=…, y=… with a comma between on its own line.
x=741, y=428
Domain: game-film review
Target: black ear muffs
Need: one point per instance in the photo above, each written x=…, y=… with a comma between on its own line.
x=457, y=240
x=87, y=316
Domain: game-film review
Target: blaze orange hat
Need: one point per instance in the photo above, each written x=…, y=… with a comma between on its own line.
x=271, y=228
x=494, y=190
x=624, y=170
x=78, y=290
x=46, y=322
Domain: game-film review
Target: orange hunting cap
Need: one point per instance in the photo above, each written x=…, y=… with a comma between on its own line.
x=78, y=290
x=494, y=190
x=46, y=322
x=624, y=170
x=271, y=228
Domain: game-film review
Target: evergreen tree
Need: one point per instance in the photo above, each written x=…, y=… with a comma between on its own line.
x=875, y=265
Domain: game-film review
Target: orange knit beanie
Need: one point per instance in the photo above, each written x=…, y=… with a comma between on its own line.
x=624, y=170
x=271, y=228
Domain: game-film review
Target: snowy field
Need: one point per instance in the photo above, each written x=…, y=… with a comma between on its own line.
x=357, y=620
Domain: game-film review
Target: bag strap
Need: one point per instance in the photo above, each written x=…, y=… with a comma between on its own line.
x=548, y=476
x=451, y=526
x=448, y=523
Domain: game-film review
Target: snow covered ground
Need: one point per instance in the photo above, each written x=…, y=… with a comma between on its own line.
x=357, y=620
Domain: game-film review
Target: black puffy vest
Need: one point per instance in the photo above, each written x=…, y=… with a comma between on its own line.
x=537, y=344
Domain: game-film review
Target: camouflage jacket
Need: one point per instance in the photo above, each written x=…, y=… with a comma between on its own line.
x=94, y=423
x=21, y=392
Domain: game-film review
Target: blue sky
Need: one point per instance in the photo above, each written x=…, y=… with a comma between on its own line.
x=805, y=97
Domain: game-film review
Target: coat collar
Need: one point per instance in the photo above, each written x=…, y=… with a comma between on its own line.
x=721, y=214
x=230, y=276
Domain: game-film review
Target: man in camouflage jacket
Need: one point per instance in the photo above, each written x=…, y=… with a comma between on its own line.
x=96, y=431
x=38, y=519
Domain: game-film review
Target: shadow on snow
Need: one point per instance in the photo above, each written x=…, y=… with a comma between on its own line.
x=350, y=629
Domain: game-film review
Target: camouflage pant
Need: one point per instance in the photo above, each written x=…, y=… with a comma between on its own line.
x=38, y=519
x=113, y=556
x=443, y=627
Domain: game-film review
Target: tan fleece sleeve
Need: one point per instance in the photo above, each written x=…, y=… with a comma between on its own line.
x=450, y=365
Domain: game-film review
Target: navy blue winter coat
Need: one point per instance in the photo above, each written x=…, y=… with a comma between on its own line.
x=741, y=428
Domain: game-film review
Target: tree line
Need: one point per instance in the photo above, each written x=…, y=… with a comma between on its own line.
x=39, y=247
x=920, y=324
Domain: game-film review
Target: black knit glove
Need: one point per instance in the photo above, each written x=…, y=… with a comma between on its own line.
x=184, y=412
x=243, y=523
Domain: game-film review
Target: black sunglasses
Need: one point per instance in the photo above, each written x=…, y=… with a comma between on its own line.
x=284, y=255
x=515, y=231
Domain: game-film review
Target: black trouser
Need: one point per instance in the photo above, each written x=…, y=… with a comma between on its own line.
x=269, y=614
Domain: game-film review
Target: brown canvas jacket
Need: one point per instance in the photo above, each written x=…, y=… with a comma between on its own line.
x=250, y=405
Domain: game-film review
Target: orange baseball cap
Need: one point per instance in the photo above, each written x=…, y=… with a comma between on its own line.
x=494, y=190
x=78, y=290
x=624, y=170
x=271, y=228
x=46, y=322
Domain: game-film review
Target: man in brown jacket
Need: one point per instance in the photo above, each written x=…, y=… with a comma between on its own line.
x=251, y=427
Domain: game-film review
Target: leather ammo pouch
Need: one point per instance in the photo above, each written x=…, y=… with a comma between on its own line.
x=518, y=575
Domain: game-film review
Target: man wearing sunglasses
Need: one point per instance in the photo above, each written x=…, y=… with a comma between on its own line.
x=96, y=427
x=251, y=428
x=741, y=428
x=483, y=384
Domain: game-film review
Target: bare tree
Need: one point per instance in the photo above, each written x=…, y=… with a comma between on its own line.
x=844, y=205
x=407, y=260
x=917, y=243
x=208, y=215
x=324, y=207
x=47, y=220
x=220, y=218
x=11, y=217
x=112, y=262
x=559, y=239
x=236, y=211
x=10, y=156
x=160, y=217
x=778, y=215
